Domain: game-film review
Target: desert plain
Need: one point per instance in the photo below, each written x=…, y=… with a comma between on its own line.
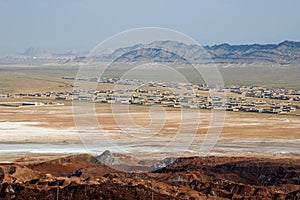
x=161, y=152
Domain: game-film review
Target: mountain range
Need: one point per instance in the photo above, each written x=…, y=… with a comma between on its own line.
x=39, y=52
x=287, y=52
x=284, y=53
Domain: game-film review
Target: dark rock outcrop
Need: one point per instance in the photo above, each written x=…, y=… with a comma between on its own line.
x=106, y=158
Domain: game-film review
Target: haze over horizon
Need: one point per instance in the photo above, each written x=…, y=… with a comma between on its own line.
x=81, y=25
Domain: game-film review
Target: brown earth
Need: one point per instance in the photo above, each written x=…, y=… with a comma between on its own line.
x=254, y=130
x=73, y=177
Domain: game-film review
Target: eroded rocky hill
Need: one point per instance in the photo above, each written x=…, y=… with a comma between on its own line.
x=185, y=178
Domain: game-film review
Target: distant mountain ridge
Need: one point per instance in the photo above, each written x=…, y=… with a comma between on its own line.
x=287, y=52
x=284, y=53
x=32, y=51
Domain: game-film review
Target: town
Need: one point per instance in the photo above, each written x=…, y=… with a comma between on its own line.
x=177, y=95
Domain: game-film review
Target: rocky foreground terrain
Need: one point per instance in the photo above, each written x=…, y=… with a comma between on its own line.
x=81, y=177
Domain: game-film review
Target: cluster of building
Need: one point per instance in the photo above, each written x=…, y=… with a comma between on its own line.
x=187, y=100
x=185, y=95
x=29, y=103
x=270, y=93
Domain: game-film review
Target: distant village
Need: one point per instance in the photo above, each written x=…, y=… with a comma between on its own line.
x=179, y=95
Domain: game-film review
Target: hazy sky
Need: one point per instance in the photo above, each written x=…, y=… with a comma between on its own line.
x=82, y=24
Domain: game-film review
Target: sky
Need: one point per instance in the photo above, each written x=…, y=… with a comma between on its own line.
x=61, y=25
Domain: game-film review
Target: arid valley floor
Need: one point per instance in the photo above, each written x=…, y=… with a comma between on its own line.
x=255, y=156
x=52, y=130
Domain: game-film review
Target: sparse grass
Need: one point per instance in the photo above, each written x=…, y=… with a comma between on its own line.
x=22, y=79
x=287, y=77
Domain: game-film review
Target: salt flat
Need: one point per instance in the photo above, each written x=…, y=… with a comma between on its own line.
x=51, y=130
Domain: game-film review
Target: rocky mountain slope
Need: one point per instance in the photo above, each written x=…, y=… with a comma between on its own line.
x=287, y=52
x=185, y=178
x=284, y=53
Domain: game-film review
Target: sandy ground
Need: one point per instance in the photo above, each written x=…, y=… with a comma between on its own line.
x=146, y=131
